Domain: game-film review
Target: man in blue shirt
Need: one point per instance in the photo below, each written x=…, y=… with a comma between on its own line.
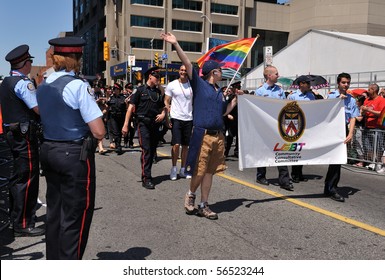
x=209, y=106
x=351, y=112
x=271, y=90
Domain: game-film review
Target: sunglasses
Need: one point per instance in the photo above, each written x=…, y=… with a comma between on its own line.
x=30, y=60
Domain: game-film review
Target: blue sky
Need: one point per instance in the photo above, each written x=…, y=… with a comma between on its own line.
x=32, y=23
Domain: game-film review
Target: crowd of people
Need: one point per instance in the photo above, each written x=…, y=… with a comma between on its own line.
x=76, y=117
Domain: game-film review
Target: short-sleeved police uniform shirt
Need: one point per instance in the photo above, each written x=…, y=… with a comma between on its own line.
x=299, y=95
x=273, y=91
x=351, y=108
x=148, y=101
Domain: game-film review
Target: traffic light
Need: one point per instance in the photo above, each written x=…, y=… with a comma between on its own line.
x=138, y=76
x=106, y=51
x=156, y=59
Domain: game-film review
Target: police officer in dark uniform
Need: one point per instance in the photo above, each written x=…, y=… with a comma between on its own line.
x=129, y=139
x=71, y=122
x=231, y=121
x=116, y=112
x=150, y=112
x=19, y=109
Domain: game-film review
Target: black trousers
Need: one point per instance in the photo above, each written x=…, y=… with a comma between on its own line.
x=115, y=124
x=283, y=177
x=148, y=139
x=296, y=171
x=70, y=199
x=332, y=178
x=129, y=138
x=24, y=180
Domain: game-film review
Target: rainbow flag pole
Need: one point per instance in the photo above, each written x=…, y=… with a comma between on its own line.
x=232, y=79
x=232, y=54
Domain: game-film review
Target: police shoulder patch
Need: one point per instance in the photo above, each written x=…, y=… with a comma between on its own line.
x=31, y=87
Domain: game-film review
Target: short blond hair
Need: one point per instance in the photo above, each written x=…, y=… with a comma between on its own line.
x=268, y=70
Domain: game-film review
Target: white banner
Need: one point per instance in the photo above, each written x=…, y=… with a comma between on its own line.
x=275, y=132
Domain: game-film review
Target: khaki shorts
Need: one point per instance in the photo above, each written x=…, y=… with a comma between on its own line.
x=211, y=157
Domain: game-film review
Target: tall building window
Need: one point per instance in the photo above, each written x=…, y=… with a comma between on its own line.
x=224, y=9
x=276, y=39
x=187, y=5
x=146, y=21
x=225, y=29
x=148, y=2
x=190, y=46
x=145, y=43
x=186, y=25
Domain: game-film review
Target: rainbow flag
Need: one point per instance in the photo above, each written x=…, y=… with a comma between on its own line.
x=232, y=54
x=381, y=119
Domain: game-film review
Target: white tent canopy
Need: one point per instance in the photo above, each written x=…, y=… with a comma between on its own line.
x=322, y=52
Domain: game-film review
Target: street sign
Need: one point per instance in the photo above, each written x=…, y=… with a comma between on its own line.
x=136, y=68
x=131, y=60
x=268, y=55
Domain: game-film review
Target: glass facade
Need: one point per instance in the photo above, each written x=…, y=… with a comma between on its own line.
x=276, y=39
x=224, y=9
x=186, y=25
x=225, y=29
x=148, y=2
x=187, y=5
x=190, y=46
x=90, y=59
x=146, y=21
x=145, y=43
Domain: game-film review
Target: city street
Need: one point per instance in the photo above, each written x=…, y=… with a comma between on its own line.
x=255, y=222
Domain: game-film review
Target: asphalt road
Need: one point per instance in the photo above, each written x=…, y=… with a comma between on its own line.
x=255, y=222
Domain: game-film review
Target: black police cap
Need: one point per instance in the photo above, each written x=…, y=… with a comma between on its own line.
x=18, y=54
x=67, y=45
x=303, y=79
x=152, y=71
x=118, y=86
x=236, y=84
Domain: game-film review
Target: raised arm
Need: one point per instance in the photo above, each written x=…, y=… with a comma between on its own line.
x=170, y=38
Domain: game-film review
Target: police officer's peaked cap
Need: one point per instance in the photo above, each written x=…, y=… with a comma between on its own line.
x=303, y=79
x=67, y=45
x=118, y=86
x=152, y=70
x=236, y=84
x=18, y=55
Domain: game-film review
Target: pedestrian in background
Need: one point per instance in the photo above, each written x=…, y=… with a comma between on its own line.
x=207, y=142
x=20, y=113
x=72, y=124
x=231, y=121
x=178, y=101
x=116, y=113
x=129, y=138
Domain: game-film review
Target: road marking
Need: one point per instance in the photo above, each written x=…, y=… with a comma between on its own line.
x=307, y=205
x=302, y=204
